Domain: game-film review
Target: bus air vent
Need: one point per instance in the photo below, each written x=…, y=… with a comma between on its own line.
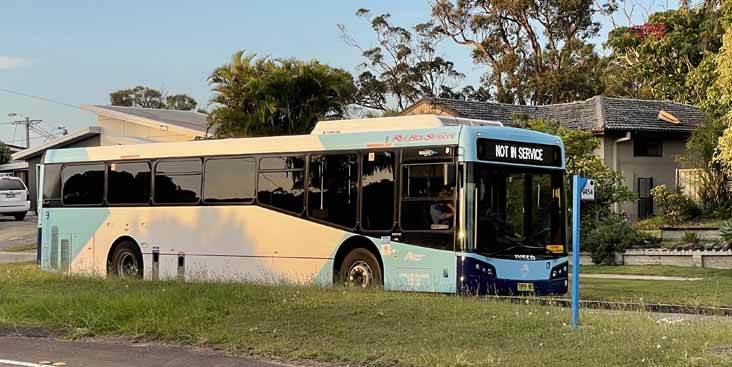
x=54, y=248
x=65, y=255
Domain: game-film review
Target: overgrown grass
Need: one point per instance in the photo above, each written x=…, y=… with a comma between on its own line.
x=351, y=326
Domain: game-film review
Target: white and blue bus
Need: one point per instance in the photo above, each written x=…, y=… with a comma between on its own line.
x=418, y=203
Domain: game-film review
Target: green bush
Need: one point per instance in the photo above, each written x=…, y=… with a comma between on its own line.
x=725, y=232
x=654, y=222
x=691, y=237
x=613, y=234
x=675, y=207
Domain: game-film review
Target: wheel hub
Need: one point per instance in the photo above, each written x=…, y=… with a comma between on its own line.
x=360, y=274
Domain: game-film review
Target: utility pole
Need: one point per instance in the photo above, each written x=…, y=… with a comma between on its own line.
x=28, y=123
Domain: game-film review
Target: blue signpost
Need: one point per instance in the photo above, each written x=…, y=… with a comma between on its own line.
x=582, y=189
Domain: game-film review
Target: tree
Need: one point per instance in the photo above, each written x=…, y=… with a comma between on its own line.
x=4, y=153
x=668, y=58
x=404, y=67
x=261, y=97
x=145, y=97
x=537, y=52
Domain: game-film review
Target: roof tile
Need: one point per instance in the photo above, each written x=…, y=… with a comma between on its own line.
x=598, y=113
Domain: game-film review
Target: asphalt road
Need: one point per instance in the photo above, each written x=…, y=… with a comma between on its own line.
x=31, y=352
x=17, y=233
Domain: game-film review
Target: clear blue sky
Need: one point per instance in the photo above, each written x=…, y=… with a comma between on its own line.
x=78, y=51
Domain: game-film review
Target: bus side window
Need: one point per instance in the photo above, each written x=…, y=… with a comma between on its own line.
x=229, y=180
x=128, y=183
x=333, y=188
x=83, y=184
x=377, y=194
x=281, y=183
x=178, y=181
x=428, y=195
x=51, y=185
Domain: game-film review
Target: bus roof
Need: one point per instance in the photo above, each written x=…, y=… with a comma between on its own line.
x=406, y=131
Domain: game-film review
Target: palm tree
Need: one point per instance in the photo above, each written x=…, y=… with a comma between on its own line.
x=260, y=97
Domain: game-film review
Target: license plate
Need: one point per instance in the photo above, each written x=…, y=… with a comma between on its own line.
x=9, y=196
x=525, y=287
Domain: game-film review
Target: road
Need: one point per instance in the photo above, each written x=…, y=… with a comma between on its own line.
x=14, y=233
x=31, y=352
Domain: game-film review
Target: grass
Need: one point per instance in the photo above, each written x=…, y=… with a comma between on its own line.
x=352, y=326
x=21, y=248
x=663, y=270
x=713, y=290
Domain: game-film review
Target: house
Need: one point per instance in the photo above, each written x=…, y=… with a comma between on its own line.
x=639, y=138
x=118, y=126
x=15, y=168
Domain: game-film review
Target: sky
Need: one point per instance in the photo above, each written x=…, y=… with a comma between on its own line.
x=78, y=51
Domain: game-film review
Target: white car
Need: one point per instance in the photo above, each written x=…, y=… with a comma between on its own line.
x=13, y=197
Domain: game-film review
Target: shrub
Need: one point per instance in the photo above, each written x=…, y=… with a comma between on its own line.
x=675, y=207
x=725, y=232
x=613, y=234
x=691, y=237
x=654, y=222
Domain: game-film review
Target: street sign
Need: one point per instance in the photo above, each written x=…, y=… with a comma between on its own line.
x=588, y=191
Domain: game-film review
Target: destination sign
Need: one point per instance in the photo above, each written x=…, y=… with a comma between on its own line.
x=519, y=152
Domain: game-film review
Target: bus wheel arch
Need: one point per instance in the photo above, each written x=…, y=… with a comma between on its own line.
x=124, y=258
x=354, y=246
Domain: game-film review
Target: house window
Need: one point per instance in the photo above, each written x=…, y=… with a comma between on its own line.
x=647, y=146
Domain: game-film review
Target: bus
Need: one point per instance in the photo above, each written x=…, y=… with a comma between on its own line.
x=415, y=203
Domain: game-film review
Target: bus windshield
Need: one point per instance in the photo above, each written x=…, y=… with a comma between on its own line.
x=519, y=211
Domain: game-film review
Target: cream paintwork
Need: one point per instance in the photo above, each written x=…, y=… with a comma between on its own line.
x=232, y=234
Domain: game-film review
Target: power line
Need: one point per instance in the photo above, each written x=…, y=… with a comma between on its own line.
x=39, y=98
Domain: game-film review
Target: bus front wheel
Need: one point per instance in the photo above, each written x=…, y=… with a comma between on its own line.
x=126, y=261
x=360, y=268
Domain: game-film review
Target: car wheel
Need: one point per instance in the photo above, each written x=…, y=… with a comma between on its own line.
x=19, y=216
x=126, y=261
x=360, y=268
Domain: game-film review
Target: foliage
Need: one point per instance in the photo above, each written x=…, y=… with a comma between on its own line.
x=725, y=232
x=675, y=207
x=612, y=234
x=667, y=58
x=404, y=67
x=723, y=100
x=690, y=237
x=536, y=52
x=4, y=153
x=261, y=97
x=145, y=97
x=650, y=223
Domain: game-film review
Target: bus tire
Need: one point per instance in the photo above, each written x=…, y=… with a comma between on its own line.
x=19, y=216
x=360, y=268
x=126, y=261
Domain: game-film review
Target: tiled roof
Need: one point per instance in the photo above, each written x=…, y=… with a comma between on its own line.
x=188, y=119
x=598, y=113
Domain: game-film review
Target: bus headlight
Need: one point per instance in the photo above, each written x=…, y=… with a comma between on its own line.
x=559, y=271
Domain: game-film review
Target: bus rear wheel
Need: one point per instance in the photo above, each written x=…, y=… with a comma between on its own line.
x=360, y=268
x=126, y=261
